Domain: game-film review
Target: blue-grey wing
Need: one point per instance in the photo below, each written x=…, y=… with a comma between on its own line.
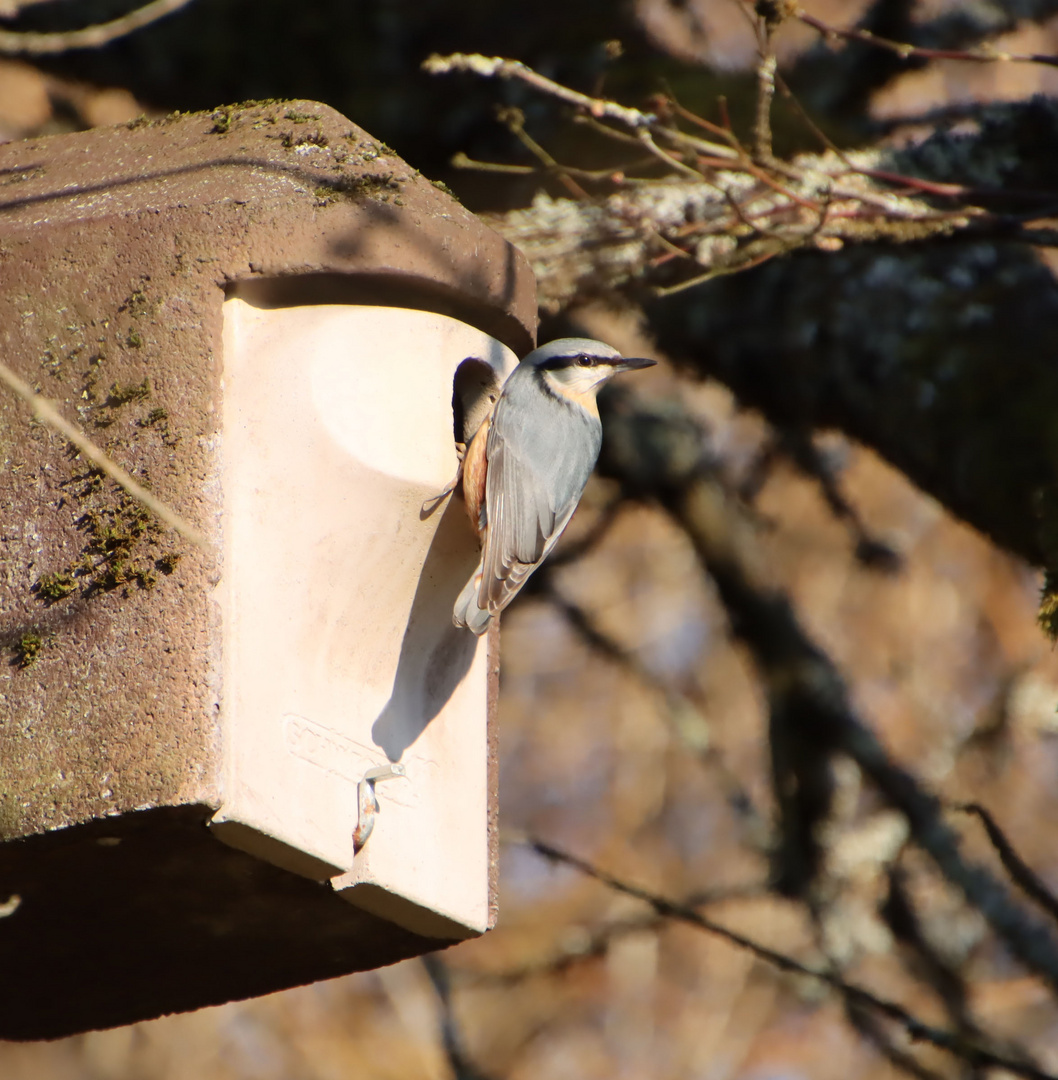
x=541, y=451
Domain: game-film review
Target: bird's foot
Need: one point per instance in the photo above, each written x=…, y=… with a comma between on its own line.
x=434, y=501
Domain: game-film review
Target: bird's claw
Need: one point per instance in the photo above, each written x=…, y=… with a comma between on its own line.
x=434, y=501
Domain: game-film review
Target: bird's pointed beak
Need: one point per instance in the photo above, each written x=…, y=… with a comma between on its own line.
x=633, y=363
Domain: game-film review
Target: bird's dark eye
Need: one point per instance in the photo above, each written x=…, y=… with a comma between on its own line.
x=583, y=361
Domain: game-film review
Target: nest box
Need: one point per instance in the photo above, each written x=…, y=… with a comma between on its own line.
x=262, y=314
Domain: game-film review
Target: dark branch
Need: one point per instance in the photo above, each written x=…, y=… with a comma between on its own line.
x=598, y=942
x=1021, y=874
x=656, y=453
x=451, y=1036
x=682, y=713
x=900, y=916
x=915, y=1028
x=870, y=1026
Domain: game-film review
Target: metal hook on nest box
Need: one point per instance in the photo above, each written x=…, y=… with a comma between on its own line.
x=367, y=800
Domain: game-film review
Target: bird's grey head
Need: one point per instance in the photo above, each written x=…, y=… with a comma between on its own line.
x=579, y=366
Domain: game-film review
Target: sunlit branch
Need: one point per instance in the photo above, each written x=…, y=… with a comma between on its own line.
x=33, y=43
x=766, y=69
x=48, y=415
x=499, y=67
x=983, y=55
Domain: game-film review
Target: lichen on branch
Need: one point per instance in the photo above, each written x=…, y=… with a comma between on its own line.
x=668, y=234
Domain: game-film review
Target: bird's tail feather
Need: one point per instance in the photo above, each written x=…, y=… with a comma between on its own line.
x=467, y=611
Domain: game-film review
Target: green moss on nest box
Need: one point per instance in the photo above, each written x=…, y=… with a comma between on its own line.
x=27, y=648
x=55, y=586
x=122, y=394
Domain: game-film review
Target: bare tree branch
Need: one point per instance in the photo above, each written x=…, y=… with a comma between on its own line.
x=808, y=701
x=718, y=209
x=984, y=54
x=1020, y=872
x=47, y=414
x=451, y=1036
x=499, y=67
x=838, y=83
x=870, y=1026
x=870, y=551
x=681, y=713
x=900, y=916
x=770, y=17
x=34, y=43
x=918, y=1030
x=576, y=949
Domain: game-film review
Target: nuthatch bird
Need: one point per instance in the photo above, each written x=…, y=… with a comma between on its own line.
x=526, y=466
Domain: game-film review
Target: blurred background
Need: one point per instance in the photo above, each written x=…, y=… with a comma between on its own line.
x=638, y=715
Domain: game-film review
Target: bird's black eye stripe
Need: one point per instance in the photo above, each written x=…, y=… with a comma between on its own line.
x=556, y=363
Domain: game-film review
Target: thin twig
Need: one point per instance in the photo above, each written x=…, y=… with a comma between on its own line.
x=721, y=271
x=30, y=42
x=985, y=55
x=765, y=94
x=657, y=452
x=459, y=1061
x=812, y=126
x=910, y=183
x=614, y=175
x=716, y=129
x=463, y=161
x=515, y=121
x=648, y=141
x=47, y=414
x=672, y=251
x=871, y=1028
x=576, y=949
x=850, y=992
x=1020, y=872
x=605, y=130
x=682, y=714
x=902, y=918
x=499, y=67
